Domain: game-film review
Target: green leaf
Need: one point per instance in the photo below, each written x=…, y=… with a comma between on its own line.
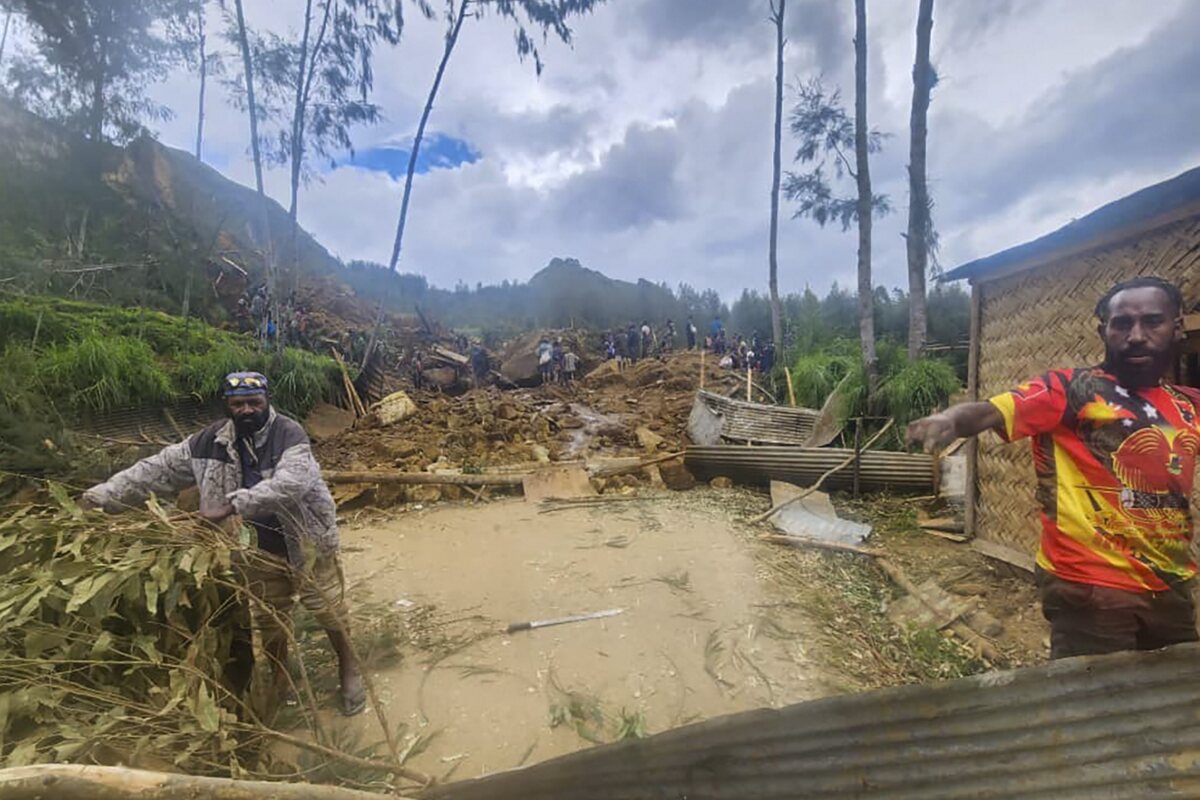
x=146, y=645
x=150, y=587
x=88, y=588
x=64, y=500
x=23, y=754
x=206, y=711
x=39, y=640
x=103, y=644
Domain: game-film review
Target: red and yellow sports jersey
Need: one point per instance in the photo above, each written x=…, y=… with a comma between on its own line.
x=1115, y=468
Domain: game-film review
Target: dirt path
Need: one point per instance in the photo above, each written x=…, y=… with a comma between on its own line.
x=703, y=632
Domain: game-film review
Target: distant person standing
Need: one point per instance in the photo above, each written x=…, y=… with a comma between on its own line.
x=556, y=356
x=570, y=363
x=715, y=328
x=633, y=343
x=647, y=333
x=545, y=360
x=691, y=333
x=669, y=336
x=479, y=365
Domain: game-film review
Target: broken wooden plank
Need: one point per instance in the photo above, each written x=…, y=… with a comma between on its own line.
x=1001, y=552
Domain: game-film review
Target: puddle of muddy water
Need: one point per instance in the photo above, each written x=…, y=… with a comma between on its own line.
x=701, y=634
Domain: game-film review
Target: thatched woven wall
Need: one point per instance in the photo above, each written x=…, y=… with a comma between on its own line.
x=1039, y=319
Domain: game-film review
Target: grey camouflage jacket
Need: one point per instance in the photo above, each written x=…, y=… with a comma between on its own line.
x=291, y=488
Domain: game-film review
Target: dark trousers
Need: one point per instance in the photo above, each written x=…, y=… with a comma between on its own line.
x=1091, y=620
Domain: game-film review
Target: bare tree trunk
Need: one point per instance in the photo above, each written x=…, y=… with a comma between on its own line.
x=99, y=79
x=251, y=106
x=918, y=189
x=777, y=14
x=866, y=293
x=451, y=40
x=4, y=36
x=298, y=115
x=203, y=80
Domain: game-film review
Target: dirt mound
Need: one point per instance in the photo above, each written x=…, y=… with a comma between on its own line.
x=482, y=428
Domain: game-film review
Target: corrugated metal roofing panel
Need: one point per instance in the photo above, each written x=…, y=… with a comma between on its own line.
x=756, y=422
x=804, y=465
x=1119, y=726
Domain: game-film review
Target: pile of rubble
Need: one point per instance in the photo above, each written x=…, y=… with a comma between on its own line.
x=613, y=412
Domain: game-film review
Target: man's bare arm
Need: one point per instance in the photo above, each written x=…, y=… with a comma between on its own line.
x=964, y=420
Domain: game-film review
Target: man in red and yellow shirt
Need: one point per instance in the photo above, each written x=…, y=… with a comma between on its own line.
x=1114, y=450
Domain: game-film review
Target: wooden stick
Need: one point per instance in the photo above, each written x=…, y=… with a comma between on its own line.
x=787, y=371
x=90, y=782
x=961, y=629
x=420, y=478
x=702, y=369
x=842, y=465
x=408, y=773
x=748, y=385
x=608, y=472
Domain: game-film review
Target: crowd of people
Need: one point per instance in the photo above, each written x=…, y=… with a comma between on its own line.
x=644, y=341
x=274, y=324
x=556, y=363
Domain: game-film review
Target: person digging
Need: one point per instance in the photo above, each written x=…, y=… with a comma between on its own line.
x=258, y=464
x=1114, y=450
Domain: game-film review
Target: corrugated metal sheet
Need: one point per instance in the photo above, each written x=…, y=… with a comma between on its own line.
x=136, y=423
x=803, y=465
x=1119, y=726
x=756, y=422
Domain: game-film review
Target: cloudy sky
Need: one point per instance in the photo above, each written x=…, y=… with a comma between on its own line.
x=645, y=149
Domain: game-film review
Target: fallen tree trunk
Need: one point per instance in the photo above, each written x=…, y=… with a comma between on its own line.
x=418, y=478
x=610, y=471
x=88, y=782
x=477, y=479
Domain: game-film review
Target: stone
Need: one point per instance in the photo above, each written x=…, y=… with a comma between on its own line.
x=655, y=476
x=540, y=454
x=676, y=476
x=424, y=494
x=648, y=439
x=721, y=482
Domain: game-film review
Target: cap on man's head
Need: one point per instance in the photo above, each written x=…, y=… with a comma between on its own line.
x=238, y=384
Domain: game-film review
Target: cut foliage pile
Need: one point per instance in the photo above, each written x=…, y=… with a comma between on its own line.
x=108, y=652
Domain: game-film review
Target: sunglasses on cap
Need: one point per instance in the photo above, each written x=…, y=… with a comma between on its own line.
x=245, y=382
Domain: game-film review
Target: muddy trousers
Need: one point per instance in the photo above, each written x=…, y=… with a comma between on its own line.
x=1092, y=620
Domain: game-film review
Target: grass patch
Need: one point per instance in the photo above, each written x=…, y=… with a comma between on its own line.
x=65, y=360
x=907, y=390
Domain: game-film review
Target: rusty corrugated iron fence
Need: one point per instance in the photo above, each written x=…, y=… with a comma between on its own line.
x=1121, y=726
x=878, y=469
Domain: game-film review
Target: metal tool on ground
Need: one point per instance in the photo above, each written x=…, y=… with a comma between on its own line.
x=546, y=623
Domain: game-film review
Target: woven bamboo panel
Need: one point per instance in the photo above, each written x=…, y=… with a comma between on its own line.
x=1041, y=319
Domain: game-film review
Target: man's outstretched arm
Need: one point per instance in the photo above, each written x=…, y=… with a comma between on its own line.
x=169, y=470
x=965, y=420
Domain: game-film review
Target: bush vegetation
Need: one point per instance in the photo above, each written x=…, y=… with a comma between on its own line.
x=64, y=360
x=907, y=390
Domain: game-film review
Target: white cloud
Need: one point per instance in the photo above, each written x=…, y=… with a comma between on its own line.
x=644, y=151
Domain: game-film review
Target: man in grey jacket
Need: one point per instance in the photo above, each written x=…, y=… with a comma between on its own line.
x=258, y=465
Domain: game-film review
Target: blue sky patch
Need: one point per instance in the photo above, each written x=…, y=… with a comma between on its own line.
x=438, y=151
